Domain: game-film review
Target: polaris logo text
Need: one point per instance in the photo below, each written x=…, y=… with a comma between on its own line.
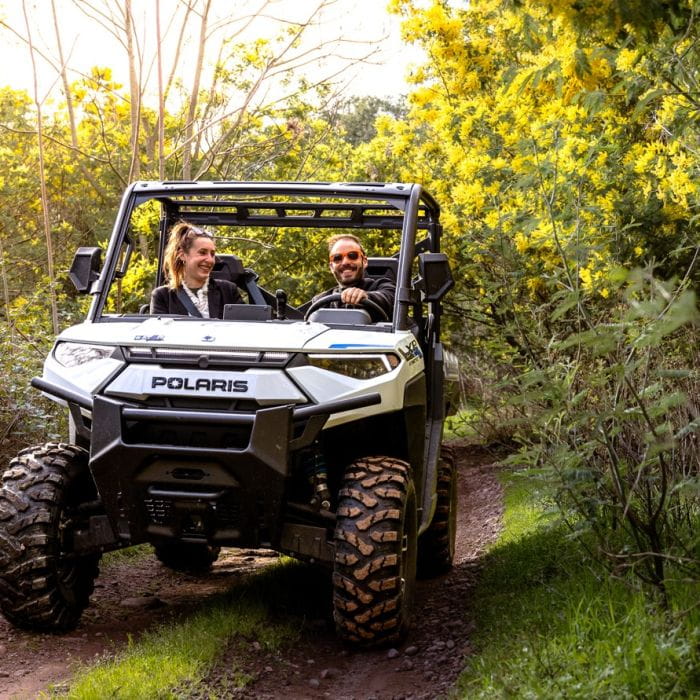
x=226, y=386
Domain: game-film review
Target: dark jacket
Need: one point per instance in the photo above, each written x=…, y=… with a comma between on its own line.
x=381, y=291
x=164, y=300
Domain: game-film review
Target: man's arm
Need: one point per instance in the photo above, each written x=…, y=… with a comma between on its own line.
x=382, y=292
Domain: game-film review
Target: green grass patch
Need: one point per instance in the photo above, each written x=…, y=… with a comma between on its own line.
x=553, y=625
x=139, y=551
x=178, y=655
x=461, y=424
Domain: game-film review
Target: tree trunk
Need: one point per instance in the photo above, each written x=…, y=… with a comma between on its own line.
x=134, y=94
x=161, y=99
x=194, y=95
x=6, y=293
x=135, y=101
x=42, y=180
x=71, y=112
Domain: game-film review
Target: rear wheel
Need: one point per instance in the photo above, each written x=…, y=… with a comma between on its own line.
x=43, y=585
x=436, y=546
x=375, y=561
x=190, y=557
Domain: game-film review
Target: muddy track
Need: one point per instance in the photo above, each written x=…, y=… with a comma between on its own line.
x=131, y=597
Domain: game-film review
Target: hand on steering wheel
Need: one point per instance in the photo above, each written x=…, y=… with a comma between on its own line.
x=366, y=303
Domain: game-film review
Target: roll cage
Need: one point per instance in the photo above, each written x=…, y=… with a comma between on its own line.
x=403, y=207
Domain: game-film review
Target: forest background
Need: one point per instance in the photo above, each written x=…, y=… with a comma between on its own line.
x=562, y=140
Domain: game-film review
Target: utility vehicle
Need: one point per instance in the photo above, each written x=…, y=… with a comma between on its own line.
x=286, y=424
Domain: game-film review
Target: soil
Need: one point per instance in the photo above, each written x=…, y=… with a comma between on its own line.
x=132, y=596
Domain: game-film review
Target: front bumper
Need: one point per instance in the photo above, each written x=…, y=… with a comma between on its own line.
x=196, y=475
x=230, y=496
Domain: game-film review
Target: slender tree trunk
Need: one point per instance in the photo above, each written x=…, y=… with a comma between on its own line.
x=134, y=93
x=161, y=100
x=194, y=95
x=42, y=180
x=210, y=101
x=135, y=99
x=6, y=293
x=178, y=49
x=71, y=112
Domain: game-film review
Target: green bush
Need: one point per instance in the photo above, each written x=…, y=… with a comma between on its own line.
x=550, y=623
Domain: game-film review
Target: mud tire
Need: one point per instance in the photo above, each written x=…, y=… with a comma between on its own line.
x=436, y=546
x=43, y=587
x=188, y=557
x=375, y=561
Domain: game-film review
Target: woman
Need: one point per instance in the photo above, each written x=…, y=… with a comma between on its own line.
x=191, y=291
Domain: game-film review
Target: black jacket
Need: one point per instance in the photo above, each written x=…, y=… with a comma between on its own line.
x=164, y=300
x=381, y=291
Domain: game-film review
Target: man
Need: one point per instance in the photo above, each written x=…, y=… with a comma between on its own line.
x=348, y=263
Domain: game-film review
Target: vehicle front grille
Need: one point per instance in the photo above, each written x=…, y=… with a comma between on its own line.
x=202, y=359
x=159, y=510
x=220, y=514
x=183, y=434
x=201, y=403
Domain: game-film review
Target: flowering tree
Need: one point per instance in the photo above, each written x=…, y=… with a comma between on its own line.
x=562, y=138
x=564, y=127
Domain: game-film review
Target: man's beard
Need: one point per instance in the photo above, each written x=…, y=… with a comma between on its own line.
x=357, y=276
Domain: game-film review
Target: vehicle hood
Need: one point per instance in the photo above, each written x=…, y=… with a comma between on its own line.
x=238, y=335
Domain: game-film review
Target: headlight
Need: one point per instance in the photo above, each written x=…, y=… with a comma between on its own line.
x=75, y=354
x=356, y=366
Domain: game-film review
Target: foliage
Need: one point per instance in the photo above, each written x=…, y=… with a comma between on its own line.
x=610, y=421
x=557, y=150
x=25, y=416
x=357, y=116
x=569, y=631
x=561, y=139
x=88, y=159
x=562, y=142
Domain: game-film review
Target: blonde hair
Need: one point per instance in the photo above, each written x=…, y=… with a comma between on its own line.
x=343, y=236
x=181, y=239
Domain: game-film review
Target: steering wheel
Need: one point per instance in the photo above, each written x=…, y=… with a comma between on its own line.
x=330, y=298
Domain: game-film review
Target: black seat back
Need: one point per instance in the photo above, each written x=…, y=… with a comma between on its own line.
x=228, y=267
x=382, y=267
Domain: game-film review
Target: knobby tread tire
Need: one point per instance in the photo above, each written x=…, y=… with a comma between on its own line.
x=436, y=546
x=43, y=587
x=375, y=559
x=189, y=557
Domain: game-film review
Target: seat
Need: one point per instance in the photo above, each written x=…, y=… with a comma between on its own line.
x=382, y=267
x=230, y=267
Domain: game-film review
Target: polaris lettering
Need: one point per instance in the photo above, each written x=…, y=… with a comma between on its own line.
x=200, y=384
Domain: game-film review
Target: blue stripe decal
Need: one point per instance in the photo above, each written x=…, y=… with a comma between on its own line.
x=340, y=346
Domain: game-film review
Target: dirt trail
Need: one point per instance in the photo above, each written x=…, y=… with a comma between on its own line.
x=131, y=597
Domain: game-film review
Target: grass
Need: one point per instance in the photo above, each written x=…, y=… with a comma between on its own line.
x=551, y=625
x=460, y=424
x=179, y=654
x=118, y=556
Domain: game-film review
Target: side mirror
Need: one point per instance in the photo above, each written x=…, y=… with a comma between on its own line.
x=436, y=276
x=85, y=268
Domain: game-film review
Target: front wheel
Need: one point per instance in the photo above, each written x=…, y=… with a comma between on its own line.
x=44, y=586
x=375, y=561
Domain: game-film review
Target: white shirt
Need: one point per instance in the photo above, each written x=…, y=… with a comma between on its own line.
x=200, y=299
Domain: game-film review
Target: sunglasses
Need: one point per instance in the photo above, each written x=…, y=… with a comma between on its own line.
x=350, y=255
x=189, y=231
